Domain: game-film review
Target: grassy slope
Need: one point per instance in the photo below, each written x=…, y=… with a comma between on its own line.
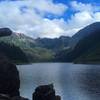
x=28, y=46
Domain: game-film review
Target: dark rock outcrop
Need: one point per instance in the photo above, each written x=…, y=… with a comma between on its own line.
x=45, y=92
x=5, y=97
x=9, y=79
x=10, y=84
x=19, y=98
x=5, y=32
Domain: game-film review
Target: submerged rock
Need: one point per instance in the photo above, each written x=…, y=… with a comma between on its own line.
x=45, y=92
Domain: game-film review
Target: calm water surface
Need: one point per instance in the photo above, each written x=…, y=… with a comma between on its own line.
x=71, y=81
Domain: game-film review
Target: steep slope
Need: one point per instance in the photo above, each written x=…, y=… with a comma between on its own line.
x=20, y=40
x=29, y=47
x=87, y=47
x=13, y=53
x=92, y=46
x=84, y=33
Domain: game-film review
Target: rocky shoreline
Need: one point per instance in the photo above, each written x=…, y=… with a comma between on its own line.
x=10, y=85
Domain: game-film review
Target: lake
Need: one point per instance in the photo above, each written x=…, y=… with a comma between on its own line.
x=71, y=81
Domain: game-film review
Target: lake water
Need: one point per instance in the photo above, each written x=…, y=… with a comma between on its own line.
x=71, y=81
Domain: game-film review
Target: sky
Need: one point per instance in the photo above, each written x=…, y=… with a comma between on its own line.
x=48, y=18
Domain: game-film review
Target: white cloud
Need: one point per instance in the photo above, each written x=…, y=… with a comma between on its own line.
x=81, y=6
x=97, y=16
x=49, y=7
x=22, y=16
x=80, y=19
x=85, y=14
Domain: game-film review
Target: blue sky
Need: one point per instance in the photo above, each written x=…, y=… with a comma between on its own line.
x=83, y=1
x=48, y=18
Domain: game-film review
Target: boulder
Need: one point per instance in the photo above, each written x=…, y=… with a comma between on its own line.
x=9, y=79
x=45, y=92
x=4, y=97
x=5, y=32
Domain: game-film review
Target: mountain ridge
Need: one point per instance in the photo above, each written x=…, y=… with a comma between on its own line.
x=84, y=32
x=86, y=50
x=57, y=49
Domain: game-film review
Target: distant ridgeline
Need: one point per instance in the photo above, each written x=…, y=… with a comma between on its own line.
x=83, y=47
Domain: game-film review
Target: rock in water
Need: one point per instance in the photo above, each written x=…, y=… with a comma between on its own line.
x=45, y=92
x=9, y=79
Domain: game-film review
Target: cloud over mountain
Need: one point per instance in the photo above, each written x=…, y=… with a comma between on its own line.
x=44, y=18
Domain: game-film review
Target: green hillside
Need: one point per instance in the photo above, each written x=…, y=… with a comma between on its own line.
x=13, y=53
x=29, y=47
x=83, y=47
x=87, y=50
x=92, y=53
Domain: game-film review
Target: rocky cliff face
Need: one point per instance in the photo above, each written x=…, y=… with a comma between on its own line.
x=9, y=79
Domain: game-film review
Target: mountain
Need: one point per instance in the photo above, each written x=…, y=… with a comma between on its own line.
x=9, y=51
x=55, y=44
x=84, y=46
x=13, y=53
x=29, y=46
x=37, y=50
x=19, y=39
x=24, y=41
x=84, y=33
x=87, y=47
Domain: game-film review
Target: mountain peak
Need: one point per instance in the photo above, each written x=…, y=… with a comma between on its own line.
x=84, y=33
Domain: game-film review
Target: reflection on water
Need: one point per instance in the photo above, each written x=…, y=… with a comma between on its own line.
x=89, y=82
x=71, y=81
